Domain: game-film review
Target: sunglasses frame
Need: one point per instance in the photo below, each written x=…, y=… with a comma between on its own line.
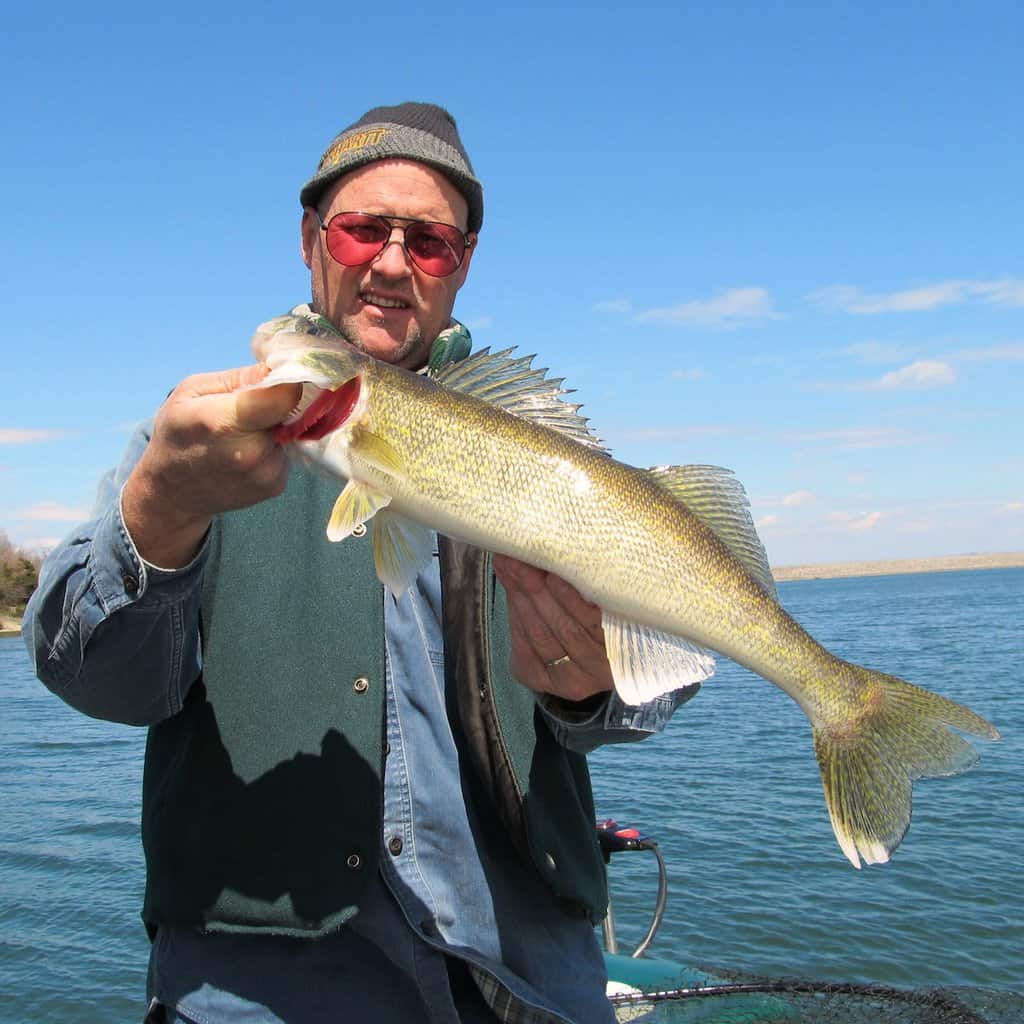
x=386, y=219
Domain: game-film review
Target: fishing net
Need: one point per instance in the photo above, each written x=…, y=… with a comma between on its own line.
x=730, y=998
x=654, y=991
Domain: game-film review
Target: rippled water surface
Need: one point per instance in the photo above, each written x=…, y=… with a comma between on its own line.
x=733, y=795
x=731, y=792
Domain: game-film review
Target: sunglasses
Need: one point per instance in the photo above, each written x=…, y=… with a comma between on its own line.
x=357, y=238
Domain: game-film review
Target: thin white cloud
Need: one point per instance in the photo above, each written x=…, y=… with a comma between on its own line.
x=1011, y=508
x=24, y=435
x=846, y=298
x=1009, y=353
x=856, y=521
x=924, y=375
x=798, y=498
x=692, y=374
x=613, y=306
x=767, y=359
x=877, y=352
x=736, y=307
x=51, y=512
x=1008, y=292
x=764, y=521
x=479, y=323
x=868, y=522
x=857, y=438
x=673, y=433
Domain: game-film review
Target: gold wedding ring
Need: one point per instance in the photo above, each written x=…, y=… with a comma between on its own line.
x=563, y=660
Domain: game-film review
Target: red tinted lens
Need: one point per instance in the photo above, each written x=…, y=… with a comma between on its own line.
x=356, y=238
x=437, y=249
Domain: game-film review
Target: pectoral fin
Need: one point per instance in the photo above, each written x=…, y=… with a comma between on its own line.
x=357, y=503
x=647, y=663
x=375, y=451
x=401, y=549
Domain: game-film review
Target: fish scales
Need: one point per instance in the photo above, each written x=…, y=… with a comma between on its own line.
x=500, y=481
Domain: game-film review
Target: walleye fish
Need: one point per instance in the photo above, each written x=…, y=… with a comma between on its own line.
x=487, y=451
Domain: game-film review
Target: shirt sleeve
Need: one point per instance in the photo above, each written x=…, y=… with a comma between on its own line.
x=110, y=634
x=612, y=721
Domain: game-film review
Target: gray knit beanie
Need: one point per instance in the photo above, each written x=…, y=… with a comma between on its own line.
x=415, y=131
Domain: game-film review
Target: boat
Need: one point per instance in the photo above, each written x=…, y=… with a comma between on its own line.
x=642, y=988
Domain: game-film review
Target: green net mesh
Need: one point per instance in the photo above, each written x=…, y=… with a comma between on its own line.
x=745, y=999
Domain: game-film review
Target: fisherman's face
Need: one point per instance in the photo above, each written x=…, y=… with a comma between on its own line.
x=387, y=307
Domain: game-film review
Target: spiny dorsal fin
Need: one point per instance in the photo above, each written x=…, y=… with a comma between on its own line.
x=515, y=386
x=717, y=498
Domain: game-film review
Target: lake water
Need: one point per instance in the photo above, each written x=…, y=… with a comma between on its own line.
x=731, y=792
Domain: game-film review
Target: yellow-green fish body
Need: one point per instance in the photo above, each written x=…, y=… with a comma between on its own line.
x=489, y=454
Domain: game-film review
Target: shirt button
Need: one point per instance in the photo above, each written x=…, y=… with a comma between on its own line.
x=361, y=685
x=359, y=530
x=131, y=583
x=354, y=860
x=395, y=845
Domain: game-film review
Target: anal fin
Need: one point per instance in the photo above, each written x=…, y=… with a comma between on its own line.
x=647, y=662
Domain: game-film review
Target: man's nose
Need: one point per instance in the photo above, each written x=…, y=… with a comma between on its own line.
x=393, y=259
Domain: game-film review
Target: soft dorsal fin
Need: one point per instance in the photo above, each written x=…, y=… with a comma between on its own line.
x=514, y=385
x=717, y=498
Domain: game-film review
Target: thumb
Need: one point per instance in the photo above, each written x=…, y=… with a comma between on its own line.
x=223, y=382
x=262, y=408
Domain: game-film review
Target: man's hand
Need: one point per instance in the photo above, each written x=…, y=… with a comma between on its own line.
x=211, y=450
x=549, y=620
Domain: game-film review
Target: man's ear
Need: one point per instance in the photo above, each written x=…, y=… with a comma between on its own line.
x=310, y=235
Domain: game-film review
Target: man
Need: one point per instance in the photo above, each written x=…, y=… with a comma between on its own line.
x=353, y=807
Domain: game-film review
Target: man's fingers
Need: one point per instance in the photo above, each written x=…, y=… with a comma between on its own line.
x=258, y=409
x=223, y=382
x=265, y=407
x=549, y=620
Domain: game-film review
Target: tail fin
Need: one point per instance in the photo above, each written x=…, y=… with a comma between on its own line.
x=868, y=769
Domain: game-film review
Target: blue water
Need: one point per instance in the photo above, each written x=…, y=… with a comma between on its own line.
x=733, y=795
x=731, y=792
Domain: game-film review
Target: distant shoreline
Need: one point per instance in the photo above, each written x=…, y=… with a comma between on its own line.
x=825, y=571
x=899, y=566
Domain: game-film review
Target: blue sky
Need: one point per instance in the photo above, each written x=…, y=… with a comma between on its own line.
x=783, y=238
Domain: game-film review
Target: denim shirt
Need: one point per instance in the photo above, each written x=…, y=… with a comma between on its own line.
x=442, y=890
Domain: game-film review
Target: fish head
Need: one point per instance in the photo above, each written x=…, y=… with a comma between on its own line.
x=333, y=377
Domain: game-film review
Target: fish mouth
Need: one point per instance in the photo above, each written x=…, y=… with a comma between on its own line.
x=328, y=411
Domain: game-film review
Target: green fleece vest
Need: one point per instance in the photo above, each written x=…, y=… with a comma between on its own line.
x=262, y=797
